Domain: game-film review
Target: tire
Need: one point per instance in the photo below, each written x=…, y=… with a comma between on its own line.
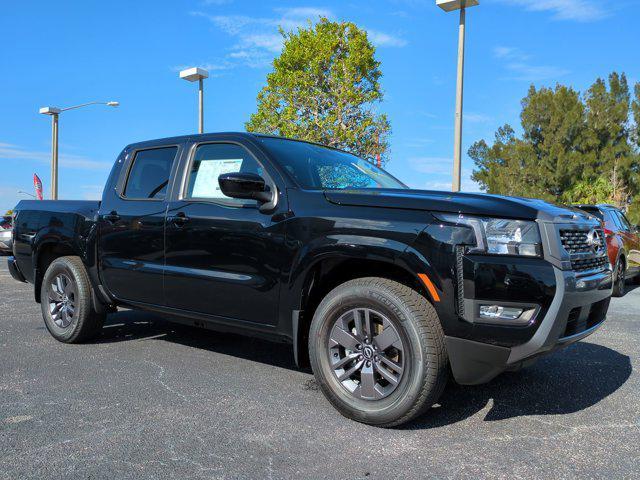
x=418, y=347
x=619, y=278
x=65, y=300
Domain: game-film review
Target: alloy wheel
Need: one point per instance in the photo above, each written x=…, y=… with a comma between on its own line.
x=62, y=300
x=366, y=353
x=620, y=277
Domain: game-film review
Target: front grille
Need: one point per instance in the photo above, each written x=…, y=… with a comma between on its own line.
x=589, y=264
x=587, y=248
x=596, y=315
x=577, y=241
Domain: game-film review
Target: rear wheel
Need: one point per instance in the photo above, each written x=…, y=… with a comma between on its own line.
x=619, y=278
x=65, y=300
x=377, y=350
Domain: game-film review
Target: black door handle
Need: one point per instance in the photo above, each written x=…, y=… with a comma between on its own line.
x=112, y=217
x=178, y=219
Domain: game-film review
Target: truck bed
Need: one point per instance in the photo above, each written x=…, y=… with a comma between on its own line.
x=64, y=225
x=82, y=207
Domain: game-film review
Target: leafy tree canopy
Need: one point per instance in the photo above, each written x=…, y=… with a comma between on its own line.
x=323, y=88
x=573, y=147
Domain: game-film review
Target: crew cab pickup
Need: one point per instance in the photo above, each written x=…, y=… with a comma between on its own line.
x=385, y=291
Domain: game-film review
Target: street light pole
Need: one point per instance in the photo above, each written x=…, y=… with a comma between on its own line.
x=199, y=74
x=457, y=135
x=200, y=106
x=54, y=112
x=54, y=156
x=448, y=6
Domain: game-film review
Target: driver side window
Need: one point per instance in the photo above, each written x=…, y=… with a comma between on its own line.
x=212, y=160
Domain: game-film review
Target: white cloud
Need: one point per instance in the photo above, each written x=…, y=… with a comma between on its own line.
x=510, y=53
x=575, y=10
x=474, y=117
x=258, y=39
x=535, y=73
x=440, y=172
x=381, y=39
x=418, y=142
x=517, y=62
x=431, y=165
x=306, y=12
x=14, y=152
x=92, y=192
x=436, y=185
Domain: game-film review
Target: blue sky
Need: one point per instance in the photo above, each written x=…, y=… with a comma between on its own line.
x=67, y=52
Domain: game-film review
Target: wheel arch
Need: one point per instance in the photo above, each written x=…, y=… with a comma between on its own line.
x=326, y=273
x=44, y=254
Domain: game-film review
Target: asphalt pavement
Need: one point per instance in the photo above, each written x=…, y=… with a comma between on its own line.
x=150, y=399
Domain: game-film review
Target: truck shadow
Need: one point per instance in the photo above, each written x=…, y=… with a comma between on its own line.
x=567, y=381
x=132, y=325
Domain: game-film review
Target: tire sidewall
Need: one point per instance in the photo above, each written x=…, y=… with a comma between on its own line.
x=62, y=265
x=338, y=302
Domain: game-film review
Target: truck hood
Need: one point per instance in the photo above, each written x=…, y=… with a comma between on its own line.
x=466, y=203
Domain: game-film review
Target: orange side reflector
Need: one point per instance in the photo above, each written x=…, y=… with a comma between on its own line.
x=429, y=284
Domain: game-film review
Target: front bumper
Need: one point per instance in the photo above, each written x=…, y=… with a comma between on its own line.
x=578, y=309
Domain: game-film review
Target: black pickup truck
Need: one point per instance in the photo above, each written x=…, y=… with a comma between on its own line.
x=383, y=290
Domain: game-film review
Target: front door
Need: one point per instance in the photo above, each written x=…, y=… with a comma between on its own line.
x=131, y=226
x=222, y=254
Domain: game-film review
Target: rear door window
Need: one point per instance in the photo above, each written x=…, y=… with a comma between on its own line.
x=149, y=175
x=626, y=226
x=610, y=220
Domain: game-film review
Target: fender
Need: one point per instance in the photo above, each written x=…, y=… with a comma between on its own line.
x=293, y=324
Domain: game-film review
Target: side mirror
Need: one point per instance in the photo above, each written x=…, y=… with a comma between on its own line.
x=245, y=185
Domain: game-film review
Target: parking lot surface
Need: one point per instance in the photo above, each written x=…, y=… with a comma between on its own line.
x=150, y=399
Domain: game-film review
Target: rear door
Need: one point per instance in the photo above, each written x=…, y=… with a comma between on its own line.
x=224, y=257
x=631, y=240
x=131, y=225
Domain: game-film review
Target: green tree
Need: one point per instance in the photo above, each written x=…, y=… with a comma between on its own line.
x=573, y=147
x=9, y=213
x=324, y=88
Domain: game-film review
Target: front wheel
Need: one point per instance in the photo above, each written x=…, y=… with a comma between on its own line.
x=619, y=278
x=65, y=299
x=377, y=351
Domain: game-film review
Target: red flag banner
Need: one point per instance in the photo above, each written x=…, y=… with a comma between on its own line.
x=37, y=184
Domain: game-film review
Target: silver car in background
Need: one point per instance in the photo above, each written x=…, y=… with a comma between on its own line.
x=6, y=227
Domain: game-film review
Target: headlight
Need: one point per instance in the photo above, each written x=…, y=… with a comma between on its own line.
x=501, y=236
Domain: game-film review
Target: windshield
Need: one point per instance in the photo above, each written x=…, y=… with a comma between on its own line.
x=317, y=167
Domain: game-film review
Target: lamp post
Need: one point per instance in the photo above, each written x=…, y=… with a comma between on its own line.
x=199, y=74
x=450, y=6
x=54, y=112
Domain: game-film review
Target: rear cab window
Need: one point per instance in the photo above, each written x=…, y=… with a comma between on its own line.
x=149, y=174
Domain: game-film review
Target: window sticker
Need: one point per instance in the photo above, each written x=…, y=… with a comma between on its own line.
x=206, y=184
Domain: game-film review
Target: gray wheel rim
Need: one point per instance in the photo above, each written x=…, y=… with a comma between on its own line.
x=620, y=276
x=366, y=354
x=62, y=300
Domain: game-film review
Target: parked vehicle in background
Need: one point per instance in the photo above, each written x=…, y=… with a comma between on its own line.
x=6, y=230
x=381, y=288
x=623, y=244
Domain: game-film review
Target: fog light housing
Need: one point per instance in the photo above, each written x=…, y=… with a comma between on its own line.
x=497, y=311
x=502, y=314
